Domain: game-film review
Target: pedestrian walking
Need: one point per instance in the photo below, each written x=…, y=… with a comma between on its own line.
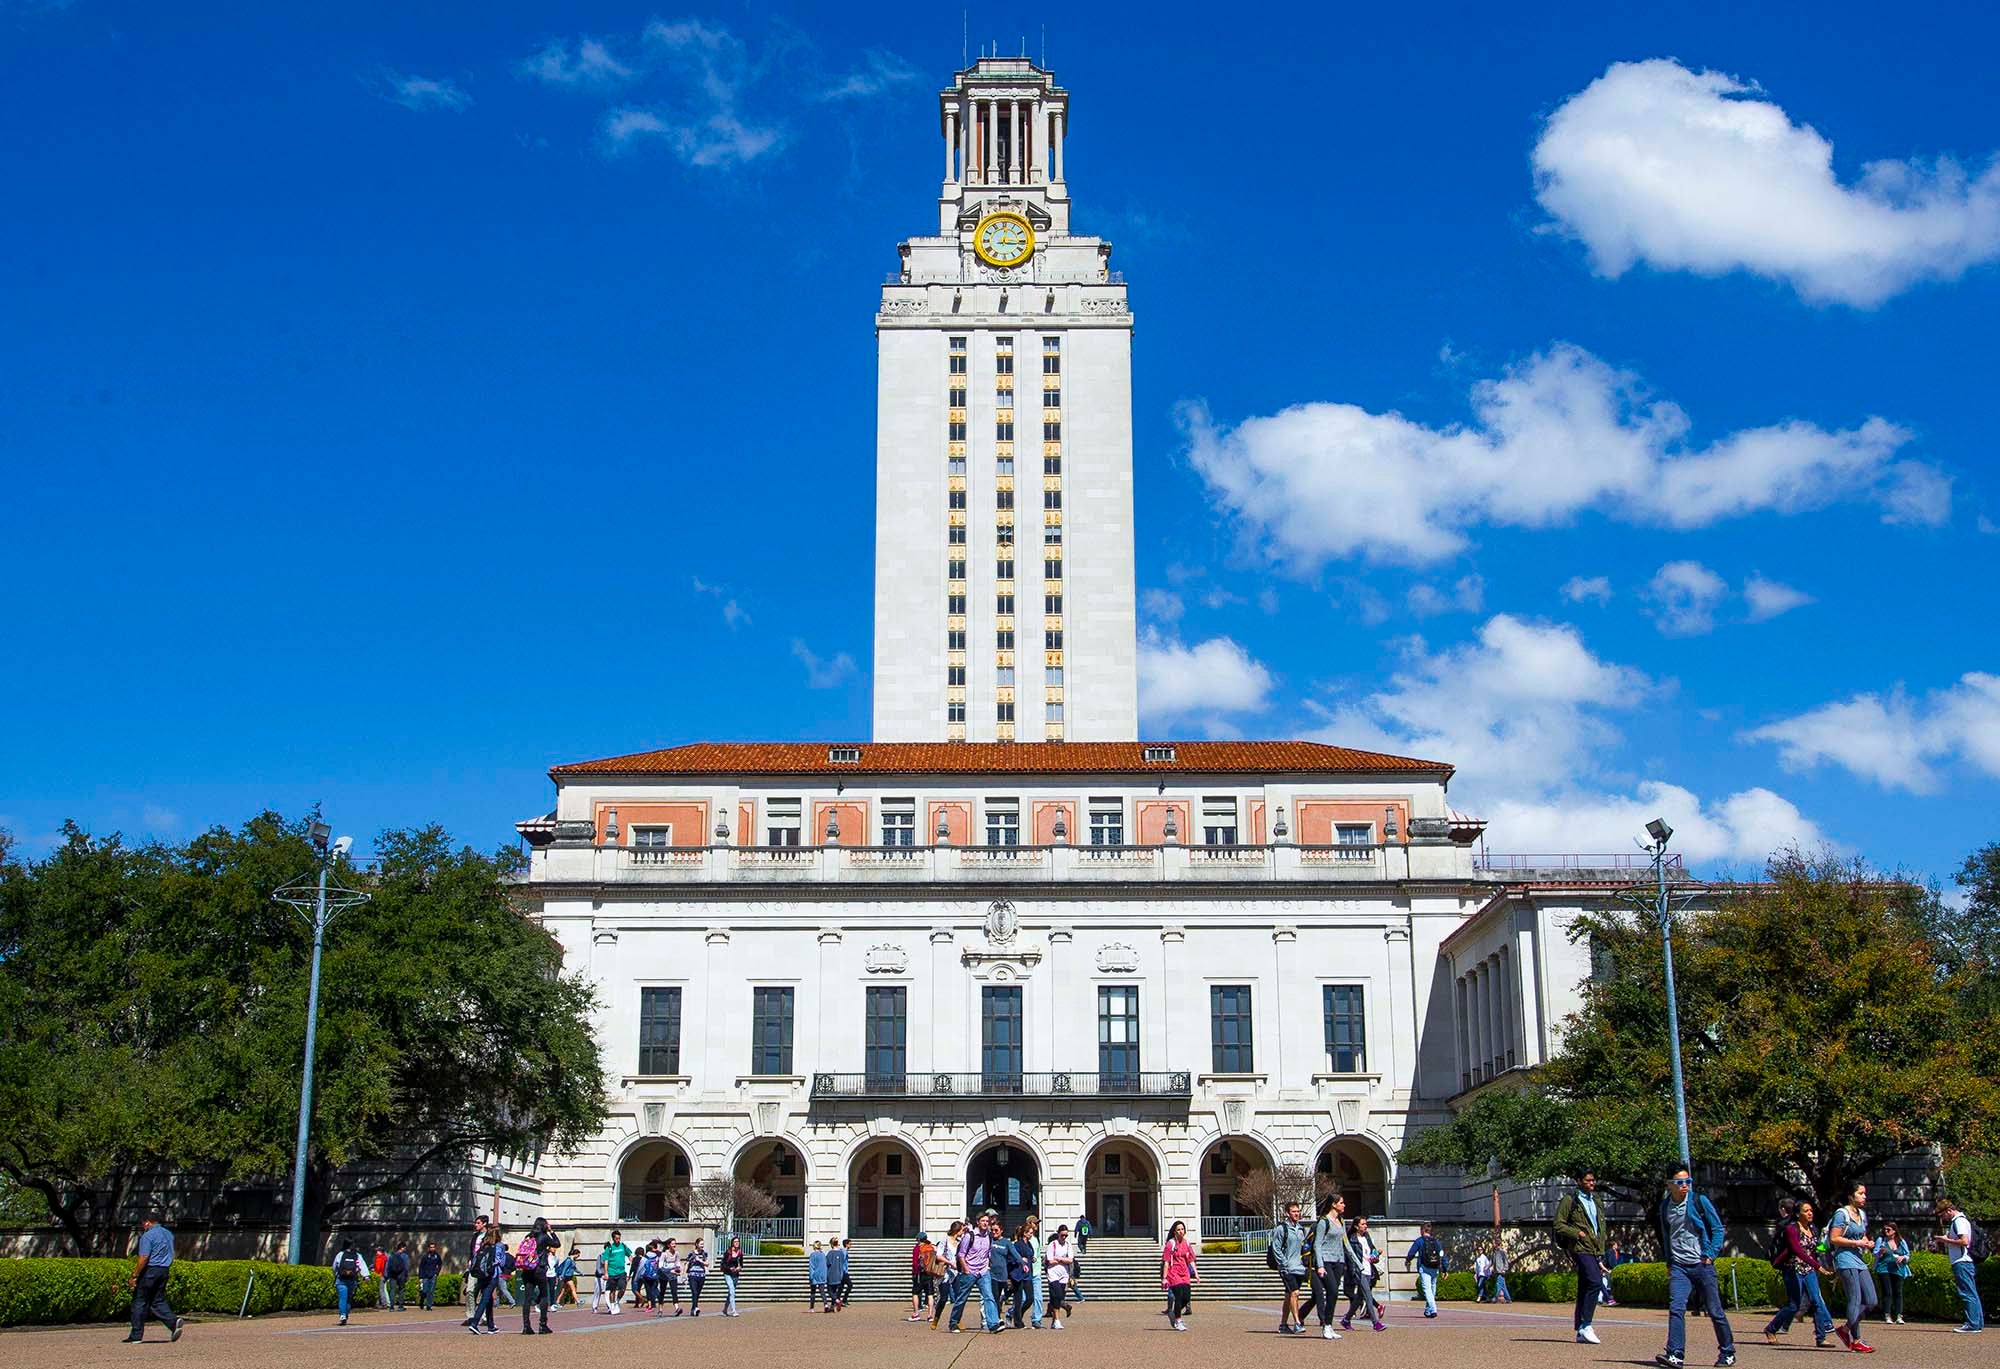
x=1178, y=1274
x=1482, y=1275
x=952, y=1290
x=613, y=1260
x=349, y=1268
x=847, y=1271
x=478, y=1239
x=1847, y=1238
x=1286, y=1253
x=732, y=1270
x=1360, y=1286
x=429, y=1266
x=1892, y=1271
x=1791, y=1253
x=976, y=1253
x=1330, y=1260
x=923, y=1280
x=646, y=1278
x=1965, y=1244
x=380, y=1262
x=530, y=1259
x=1037, y=1271
x=816, y=1275
x=1020, y=1272
x=397, y=1273
x=836, y=1274
x=566, y=1273
x=1580, y=1232
x=1426, y=1253
x=671, y=1271
x=1500, y=1293
x=697, y=1273
x=1692, y=1236
x=1060, y=1256
x=1613, y=1257
x=150, y=1265
x=485, y=1269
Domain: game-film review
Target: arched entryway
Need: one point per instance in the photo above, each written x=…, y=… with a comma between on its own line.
x=775, y=1169
x=653, y=1183
x=1352, y=1168
x=1121, y=1190
x=885, y=1190
x=1225, y=1164
x=1003, y=1175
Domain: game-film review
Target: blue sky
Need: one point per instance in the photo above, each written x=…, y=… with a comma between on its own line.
x=400, y=400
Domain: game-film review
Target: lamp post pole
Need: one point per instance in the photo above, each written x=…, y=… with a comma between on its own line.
x=1663, y=914
x=319, y=904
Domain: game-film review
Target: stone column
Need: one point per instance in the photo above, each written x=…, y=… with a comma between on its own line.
x=992, y=141
x=1036, y=141
x=1017, y=172
x=965, y=127
x=1057, y=146
x=950, y=142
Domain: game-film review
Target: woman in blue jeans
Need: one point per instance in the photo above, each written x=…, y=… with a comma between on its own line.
x=1799, y=1265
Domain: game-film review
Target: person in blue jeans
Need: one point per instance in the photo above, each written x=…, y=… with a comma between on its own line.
x=1956, y=1241
x=1691, y=1233
x=979, y=1253
x=1798, y=1262
x=348, y=1267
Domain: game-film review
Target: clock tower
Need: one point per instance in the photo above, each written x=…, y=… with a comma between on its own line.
x=1004, y=597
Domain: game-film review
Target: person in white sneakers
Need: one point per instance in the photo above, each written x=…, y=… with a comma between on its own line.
x=1580, y=1232
x=1060, y=1256
x=613, y=1259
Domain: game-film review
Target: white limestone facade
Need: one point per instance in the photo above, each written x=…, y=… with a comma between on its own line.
x=1004, y=582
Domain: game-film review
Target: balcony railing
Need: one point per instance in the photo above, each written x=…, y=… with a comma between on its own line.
x=769, y=1228
x=1052, y=1084
x=1617, y=865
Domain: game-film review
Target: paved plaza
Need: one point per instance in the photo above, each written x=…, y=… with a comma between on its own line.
x=1108, y=1334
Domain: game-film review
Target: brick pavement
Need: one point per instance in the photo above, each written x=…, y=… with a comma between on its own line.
x=1113, y=1335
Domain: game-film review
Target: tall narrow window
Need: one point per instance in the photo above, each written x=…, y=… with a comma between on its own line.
x=1218, y=821
x=1118, y=1035
x=1003, y=816
x=1229, y=1028
x=659, y=1031
x=1346, y=1029
x=1000, y=1048
x=1107, y=822
x=781, y=822
x=887, y=1026
x=899, y=816
x=770, y=1031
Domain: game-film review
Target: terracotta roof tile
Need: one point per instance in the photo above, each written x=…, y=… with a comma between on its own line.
x=977, y=758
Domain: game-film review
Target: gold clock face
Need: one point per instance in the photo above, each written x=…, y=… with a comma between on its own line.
x=1003, y=239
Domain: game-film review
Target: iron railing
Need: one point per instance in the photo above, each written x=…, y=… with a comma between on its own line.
x=1233, y=1228
x=1052, y=1084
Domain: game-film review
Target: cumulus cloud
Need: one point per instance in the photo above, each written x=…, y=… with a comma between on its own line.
x=1594, y=589
x=879, y=71
x=1896, y=741
x=1162, y=605
x=1525, y=711
x=1556, y=436
x=1467, y=595
x=1683, y=596
x=1699, y=171
x=420, y=93
x=1200, y=684
x=823, y=674
x=733, y=612
x=1767, y=598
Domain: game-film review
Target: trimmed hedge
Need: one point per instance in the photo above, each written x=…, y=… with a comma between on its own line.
x=38, y=1292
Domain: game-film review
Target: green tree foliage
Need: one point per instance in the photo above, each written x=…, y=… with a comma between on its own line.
x=152, y=1012
x=1821, y=1037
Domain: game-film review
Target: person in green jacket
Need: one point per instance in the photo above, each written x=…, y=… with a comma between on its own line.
x=1580, y=1231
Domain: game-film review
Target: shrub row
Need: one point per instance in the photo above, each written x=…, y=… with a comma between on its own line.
x=1930, y=1291
x=44, y=1291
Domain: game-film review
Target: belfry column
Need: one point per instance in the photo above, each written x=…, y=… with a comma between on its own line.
x=1017, y=170
x=1057, y=143
x=950, y=142
x=992, y=141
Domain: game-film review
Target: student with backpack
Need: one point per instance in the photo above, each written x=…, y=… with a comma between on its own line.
x=566, y=1280
x=1059, y=1256
x=697, y=1272
x=396, y=1273
x=1966, y=1243
x=1847, y=1237
x=348, y=1270
x=1329, y=1260
x=923, y=1276
x=732, y=1270
x=1020, y=1273
x=1692, y=1236
x=1427, y=1254
x=670, y=1272
x=486, y=1275
x=952, y=1285
x=1178, y=1275
x=1580, y=1232
x=1286, y=1253
x=529, y=1257
x=645, y=1279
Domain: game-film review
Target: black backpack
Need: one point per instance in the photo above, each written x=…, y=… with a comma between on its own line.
x=348, y=1266
x=1982, y=1245
x=1430, y=1254
x=1778, y=1248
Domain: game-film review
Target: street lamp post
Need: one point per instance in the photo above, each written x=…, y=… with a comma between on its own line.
x=1663, y=914
x=319, y=905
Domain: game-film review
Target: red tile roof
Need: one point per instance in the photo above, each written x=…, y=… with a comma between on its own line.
x=980, y=758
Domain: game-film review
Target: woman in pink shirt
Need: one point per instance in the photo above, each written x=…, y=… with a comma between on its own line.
x=1178, y=1274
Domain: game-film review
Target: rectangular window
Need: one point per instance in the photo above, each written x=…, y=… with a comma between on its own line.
x=954, y=499
x=954, y=711
x=1003, y=568
x=956, y=399
x=1003, y=676
x=954, y=675
x=1354, y=834
x=1003, y=499
x=1052, y=711
x=1003, y=604
x=1051, y=398
x=1052, y=570
x=1053, y=676
x=1000, y=1046
x=770, y=1031
x=1051, y=499
x=781, y=822
x=1052, y=535
x=659, y=1031
x=1052, y=430
x=1052, y=603
x=1003, y=639
x=1052, y=465
x=1003, y=712
x=1118, y=1035
x=954, y=604
x=1003, y=465
x=1229, y=1028
x=1004, y=534
x=1218, y=821
x=1003, y=430
x=1346, y=1029
x=955, y=432
x=652, y=838
x=1003, y=363
x=954, y=639
x=1051, y=364
x=954, y=569
x=887, y=1026
x=955, y=466
x=1052, y=639
x=1003, y=816
x=958, y=363
x=955, y=535
x=899, y=821
x=1107, y=822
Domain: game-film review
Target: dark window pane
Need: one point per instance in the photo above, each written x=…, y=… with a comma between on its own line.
x=771, y=1031
x=659, y=1031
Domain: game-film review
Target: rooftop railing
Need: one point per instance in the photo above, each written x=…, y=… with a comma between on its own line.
x=1027, y=1084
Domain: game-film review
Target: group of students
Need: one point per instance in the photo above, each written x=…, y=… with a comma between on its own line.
x=1317, y=1263
x=1008, y=1273
x=827, y=1271
x=1692, y=1237
x=652, y=1275
x=392, y=1269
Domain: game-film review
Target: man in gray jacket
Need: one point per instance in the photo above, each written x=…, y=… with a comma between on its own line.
x=1288, y=1247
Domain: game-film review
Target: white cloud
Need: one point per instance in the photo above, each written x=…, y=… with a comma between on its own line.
x=418, y=92
x=1595, y=588
x=821, y=674
x=1559, y=435
x=1897, y=741
x=588, y=62
x=1468, y=595
x=1162, y=605
x=1199, y=684
x=1987, y=525
x=1683, y=595
x=878, y=72
x=1767, y=598
x=1696, y=171
x=733, y=612
x=1524, y=711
